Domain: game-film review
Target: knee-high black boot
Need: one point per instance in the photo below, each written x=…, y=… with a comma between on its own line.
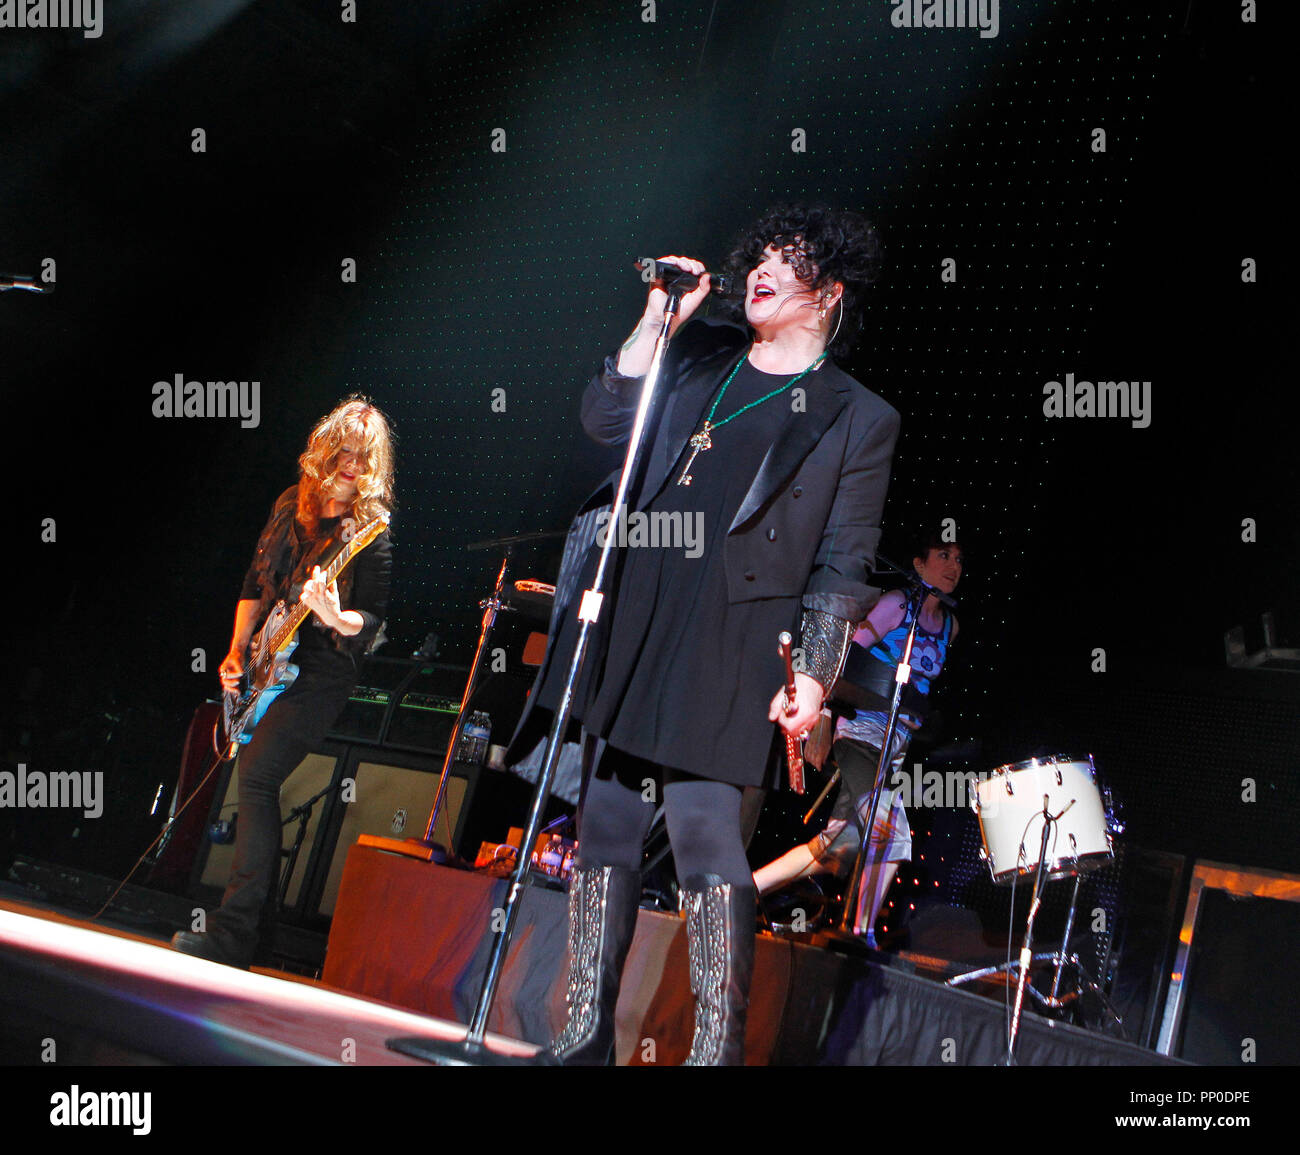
x=603, y=902
x=720, y=941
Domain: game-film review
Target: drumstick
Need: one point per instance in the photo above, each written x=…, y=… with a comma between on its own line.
x=807, y=818
x=793, y=747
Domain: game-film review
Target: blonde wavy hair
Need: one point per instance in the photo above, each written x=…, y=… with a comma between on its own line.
x=355, y=418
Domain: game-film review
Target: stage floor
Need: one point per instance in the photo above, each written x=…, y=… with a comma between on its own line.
x=406, y=958
x=79, y=993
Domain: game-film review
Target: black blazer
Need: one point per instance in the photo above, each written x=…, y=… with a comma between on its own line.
x=810, y=522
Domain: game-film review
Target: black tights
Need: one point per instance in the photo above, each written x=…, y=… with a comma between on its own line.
x=703, y=819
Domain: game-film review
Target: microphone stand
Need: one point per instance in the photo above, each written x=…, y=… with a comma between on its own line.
x=472, y=1050
x=916, y=593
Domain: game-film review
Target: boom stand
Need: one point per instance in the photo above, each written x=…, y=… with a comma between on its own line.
x=472, y=1051
x=916, y=594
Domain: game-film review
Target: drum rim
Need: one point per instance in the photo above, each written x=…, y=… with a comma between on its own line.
x=1046, y=760
x=1057, y=868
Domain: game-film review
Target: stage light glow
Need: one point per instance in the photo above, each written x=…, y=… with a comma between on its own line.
x=76, y=947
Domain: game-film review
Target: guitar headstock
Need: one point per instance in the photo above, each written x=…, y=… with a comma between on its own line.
x=371, y=530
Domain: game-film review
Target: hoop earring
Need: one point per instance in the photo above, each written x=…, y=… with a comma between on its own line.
x=838, y=322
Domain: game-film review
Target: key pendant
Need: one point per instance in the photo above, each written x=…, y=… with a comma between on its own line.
x=699, y=442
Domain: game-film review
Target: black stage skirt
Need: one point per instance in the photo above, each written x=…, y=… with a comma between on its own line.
x=684, y=676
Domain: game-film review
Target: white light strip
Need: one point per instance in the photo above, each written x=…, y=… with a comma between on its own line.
x=105, y=950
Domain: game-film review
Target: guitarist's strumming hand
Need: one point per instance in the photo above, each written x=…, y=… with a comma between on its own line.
x=324, y=603
x=231, y=670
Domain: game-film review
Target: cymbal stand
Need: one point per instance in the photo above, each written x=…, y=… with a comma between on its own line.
x=491, y=605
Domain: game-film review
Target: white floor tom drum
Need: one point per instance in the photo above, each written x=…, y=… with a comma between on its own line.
x=1009, y=804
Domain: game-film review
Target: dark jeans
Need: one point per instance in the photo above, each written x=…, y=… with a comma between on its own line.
x=296, y=722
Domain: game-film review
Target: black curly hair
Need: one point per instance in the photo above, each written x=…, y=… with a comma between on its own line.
x=930, y=539
x=823, y=245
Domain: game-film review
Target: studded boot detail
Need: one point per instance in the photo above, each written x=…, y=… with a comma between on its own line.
x=603, y=904
x=720, y=941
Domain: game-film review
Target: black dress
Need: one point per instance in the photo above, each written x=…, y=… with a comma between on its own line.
x=688, y=675
x=682, y=666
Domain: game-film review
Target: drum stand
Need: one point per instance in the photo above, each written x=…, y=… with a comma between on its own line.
x=472, y=1050
x=1061, y=956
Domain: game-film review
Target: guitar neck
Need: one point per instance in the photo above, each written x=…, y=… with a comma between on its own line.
x=299, y=612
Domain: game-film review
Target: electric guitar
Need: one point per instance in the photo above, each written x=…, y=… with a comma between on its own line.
x=267, y=670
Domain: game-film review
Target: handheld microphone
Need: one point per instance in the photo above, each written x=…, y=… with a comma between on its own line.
x=793, y=746
x=721, y=284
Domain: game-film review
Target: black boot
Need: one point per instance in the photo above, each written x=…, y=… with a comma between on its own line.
x=720, y=940
x=603, y=902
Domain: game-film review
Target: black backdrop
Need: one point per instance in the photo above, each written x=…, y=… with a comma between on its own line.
x=494, y=169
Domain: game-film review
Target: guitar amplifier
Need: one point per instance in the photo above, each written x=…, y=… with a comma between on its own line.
x=362, y=719
x=403, y=701
x=423, y=722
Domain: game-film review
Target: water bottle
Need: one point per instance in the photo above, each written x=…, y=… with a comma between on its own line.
x=474, y=738
x=552, y=856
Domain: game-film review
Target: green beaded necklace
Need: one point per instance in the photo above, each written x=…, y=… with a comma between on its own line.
x=701, y=441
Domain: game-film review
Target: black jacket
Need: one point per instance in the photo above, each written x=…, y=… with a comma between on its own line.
x=810, y=522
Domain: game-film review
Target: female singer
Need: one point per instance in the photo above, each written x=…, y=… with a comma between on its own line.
x=783, y=461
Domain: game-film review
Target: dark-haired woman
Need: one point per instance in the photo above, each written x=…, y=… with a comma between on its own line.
x=781, y=461
x=859, y=737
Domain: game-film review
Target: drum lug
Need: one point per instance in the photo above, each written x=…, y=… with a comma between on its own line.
x=1059, y=779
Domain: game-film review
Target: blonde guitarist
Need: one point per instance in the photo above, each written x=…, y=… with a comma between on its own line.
x=345, y=484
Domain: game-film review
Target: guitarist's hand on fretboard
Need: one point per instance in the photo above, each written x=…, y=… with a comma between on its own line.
x=268, y=654
x=323, y=600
